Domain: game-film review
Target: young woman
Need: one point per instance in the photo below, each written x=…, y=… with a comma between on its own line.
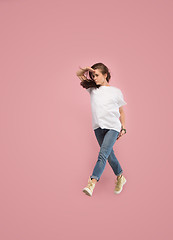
x=108, y=121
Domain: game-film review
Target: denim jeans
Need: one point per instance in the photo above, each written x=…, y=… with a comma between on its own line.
x=106, y=139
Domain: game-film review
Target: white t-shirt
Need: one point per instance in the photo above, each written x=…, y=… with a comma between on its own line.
x=105, y=103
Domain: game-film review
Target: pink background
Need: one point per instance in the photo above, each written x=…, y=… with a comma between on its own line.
x=48, y=147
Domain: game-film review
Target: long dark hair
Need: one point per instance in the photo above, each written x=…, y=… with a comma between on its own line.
x=90, y=81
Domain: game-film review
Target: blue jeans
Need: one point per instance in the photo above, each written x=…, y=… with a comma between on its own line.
x=106, y=139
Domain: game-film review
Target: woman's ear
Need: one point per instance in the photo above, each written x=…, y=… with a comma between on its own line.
x=105, y=75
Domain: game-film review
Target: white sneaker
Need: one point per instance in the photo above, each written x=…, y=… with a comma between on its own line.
x=88, y=190
x=119, y=184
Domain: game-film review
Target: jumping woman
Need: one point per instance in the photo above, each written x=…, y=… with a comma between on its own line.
x=108, y=121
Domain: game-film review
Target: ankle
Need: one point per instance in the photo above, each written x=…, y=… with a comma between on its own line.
x=119, y=176
x=94, y=180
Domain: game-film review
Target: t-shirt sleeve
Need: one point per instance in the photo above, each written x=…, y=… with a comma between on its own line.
x=121, y=101
x=89, y=89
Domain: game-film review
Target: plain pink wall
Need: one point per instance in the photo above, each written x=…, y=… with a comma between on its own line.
x=48, y=147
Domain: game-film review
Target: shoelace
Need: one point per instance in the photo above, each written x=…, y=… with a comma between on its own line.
x=119, y=181
x=90, y=184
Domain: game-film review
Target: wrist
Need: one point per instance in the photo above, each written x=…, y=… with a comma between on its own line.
x=123, y=129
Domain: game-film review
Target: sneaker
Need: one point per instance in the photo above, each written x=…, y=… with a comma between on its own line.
x=90, y=187
x=119, y=184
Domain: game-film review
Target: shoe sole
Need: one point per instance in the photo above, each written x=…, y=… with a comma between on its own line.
x=87, y=192
x=121, y=188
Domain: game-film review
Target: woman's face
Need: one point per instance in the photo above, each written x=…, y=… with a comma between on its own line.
x=98, y=77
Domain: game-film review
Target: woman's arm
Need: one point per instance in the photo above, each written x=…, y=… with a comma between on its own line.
x=122, y=117
x=80, y=73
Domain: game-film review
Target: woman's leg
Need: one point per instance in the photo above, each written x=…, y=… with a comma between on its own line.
x=106, y=139
x=115, y=165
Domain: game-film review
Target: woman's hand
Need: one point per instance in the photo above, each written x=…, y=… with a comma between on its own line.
x=122, y=132
x=81, y=73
